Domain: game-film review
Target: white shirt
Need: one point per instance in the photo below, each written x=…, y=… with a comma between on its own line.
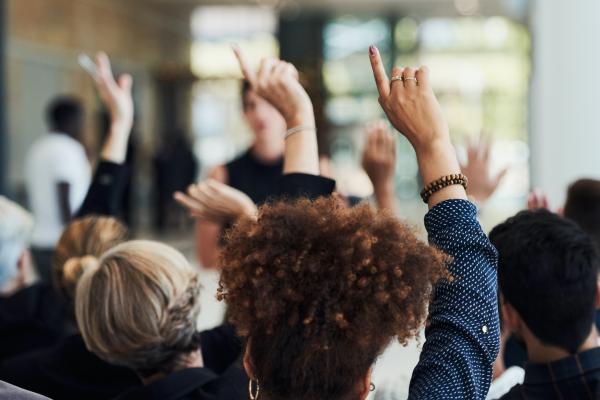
x=52, y=159
x=509, y=379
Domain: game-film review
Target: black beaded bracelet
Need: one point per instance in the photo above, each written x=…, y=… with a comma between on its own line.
x=443, y=182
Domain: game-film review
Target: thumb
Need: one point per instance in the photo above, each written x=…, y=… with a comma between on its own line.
x=125, y=82
x=501, y=176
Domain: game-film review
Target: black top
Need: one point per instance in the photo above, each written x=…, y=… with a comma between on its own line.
x=575, y=377
x=106, y=190
x=69, y=370
x=194, y=384
x=35, y=317
x=253, y=177
x=32, y=318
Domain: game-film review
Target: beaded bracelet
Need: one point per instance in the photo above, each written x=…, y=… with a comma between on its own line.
x=297, y=129
x=443, y=182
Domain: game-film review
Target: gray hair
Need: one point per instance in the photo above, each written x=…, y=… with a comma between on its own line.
x=16, y=225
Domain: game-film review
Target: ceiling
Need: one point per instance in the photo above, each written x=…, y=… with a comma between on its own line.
x=514, y=8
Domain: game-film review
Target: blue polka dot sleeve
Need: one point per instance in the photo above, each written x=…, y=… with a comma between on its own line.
x=462, y=332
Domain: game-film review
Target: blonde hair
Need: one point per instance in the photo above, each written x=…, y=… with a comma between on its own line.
x=138, y=307
x=81, y=244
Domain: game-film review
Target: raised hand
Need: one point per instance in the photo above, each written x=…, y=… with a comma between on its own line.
x=116, y=96
x=482, y=183
x=216, y=202
x=277, y=82
x=379, y=162
x=411, y=106
x=537, y=199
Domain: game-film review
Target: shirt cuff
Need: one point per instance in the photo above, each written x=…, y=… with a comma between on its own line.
x=448, y=214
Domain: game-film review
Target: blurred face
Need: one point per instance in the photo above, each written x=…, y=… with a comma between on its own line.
x=264, y=120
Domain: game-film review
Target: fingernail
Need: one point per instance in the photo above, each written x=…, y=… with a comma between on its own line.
x=372, y=50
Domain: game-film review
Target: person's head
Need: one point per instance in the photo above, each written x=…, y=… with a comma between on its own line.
x=16, y=225
x=65, y=115
x=82, y=242
x=138, y=307
x=266, y=123
x=583, y=206
x=548, y=278
x=319, y=290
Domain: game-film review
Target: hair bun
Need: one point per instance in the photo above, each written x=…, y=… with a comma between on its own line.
x=75, y=266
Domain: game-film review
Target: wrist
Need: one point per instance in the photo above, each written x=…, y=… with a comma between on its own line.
x=302, y=118
x=384, y=189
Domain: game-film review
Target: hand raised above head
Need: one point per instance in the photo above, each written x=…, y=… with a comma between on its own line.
x=116, y=95
x=277, y=82
x=379, y=154
x=411, y=106
x=482, y=183
x=409, y=102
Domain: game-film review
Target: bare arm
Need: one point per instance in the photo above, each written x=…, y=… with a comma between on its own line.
x=64, y=203
x=208, y=234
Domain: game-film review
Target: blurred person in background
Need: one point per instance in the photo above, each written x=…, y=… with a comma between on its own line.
x=254, y=173
x=582, y=205
x=34, y=317
x=16, y=225
x=175, y=168
x=57, y=177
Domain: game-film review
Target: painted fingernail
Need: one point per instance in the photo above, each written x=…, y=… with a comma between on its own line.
x=372, y=50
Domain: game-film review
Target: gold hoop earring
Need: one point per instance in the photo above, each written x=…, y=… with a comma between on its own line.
x=253, y=396
x=371, y=387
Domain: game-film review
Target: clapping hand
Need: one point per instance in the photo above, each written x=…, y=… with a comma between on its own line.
x=216, y=202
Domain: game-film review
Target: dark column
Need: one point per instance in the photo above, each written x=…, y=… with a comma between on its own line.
x=3, y=132
x=301, y=43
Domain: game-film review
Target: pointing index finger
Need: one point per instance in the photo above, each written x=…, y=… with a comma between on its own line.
x=247, y=71
x=381, y=78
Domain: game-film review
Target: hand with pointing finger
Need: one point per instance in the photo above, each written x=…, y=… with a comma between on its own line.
x=277, y=82
x=411, y=106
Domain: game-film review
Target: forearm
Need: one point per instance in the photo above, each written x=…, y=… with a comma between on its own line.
x=208, y=247
x=386, y=198
x=115, y=145
x=435, y=161
x=63, y=190
x=301, y=154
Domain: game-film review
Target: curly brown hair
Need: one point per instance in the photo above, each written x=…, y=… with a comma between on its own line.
x=319, y=290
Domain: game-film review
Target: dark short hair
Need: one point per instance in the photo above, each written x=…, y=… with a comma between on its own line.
x=64, y=113
x=547, y=270
x=583, y=206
